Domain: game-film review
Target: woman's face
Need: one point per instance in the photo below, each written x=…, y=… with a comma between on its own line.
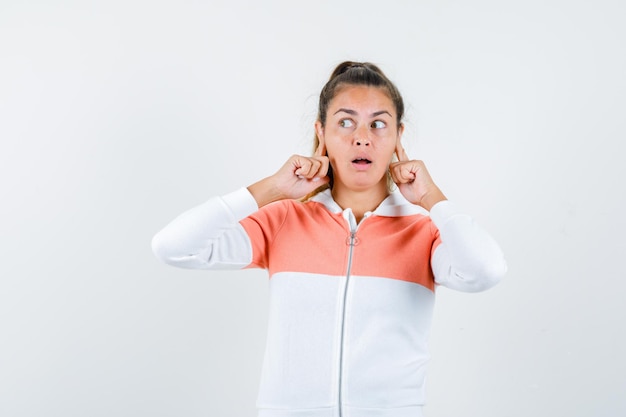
x=360, y=137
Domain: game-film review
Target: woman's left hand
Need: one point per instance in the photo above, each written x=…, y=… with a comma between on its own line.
x=414, y=181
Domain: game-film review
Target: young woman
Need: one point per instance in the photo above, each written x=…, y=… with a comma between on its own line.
x=353, y=266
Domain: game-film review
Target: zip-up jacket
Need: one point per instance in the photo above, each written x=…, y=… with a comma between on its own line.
x=350, y=304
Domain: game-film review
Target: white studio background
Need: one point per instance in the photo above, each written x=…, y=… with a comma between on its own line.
x=115, y=116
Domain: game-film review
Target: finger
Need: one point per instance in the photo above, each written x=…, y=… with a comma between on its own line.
x=303, y=167
x=396, y=172
x=321, y=150
x=402, y=173
x=322, y=170
x=401, y=153
x=308, y=168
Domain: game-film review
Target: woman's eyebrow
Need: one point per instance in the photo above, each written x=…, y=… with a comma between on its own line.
x=378, y=113
x=354, y=113
x=349, y=111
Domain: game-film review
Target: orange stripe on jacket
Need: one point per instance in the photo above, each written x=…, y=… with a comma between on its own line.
x=289, y=236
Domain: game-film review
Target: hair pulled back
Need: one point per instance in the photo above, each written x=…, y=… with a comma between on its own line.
x=358, y=73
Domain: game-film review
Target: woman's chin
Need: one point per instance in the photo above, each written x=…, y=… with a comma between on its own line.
x=364, y=183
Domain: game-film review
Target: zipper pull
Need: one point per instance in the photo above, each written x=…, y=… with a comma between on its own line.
x=352, y=240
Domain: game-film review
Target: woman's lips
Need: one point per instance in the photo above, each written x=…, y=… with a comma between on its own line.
x=361, y=163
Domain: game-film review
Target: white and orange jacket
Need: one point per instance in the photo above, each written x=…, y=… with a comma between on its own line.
x=350, y=304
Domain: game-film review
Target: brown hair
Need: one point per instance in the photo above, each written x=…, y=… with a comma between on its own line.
x=355, y=73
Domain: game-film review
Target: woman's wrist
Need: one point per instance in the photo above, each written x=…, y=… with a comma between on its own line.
x=431, y=198
x=264, y=192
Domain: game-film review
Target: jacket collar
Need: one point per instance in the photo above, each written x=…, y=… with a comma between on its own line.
x=395, y=205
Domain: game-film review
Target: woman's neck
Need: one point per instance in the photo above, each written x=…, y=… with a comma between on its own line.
x=360, y=202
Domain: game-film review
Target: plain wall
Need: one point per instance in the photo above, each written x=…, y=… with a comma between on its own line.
x=115, y=116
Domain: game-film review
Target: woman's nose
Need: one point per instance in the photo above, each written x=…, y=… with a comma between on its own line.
x=361, y=137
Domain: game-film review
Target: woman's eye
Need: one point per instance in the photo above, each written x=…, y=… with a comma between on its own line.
x=378, y=124
x=345, y=123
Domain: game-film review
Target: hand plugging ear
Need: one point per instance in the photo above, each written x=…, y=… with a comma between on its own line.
x=414, y=181
x=299, y=176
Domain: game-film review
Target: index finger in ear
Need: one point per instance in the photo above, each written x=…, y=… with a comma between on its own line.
x=401, y=153
x=321, y=150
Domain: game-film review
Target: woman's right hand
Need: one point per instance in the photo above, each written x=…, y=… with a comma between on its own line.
x=299, y=176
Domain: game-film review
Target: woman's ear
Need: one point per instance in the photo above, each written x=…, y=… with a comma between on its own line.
x=319, y=131
x=400, y=131
x=399, y=137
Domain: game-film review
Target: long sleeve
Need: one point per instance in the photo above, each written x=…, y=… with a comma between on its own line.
x=468, y=258
x=209, y=236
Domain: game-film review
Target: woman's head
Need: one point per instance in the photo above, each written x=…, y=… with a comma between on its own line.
x=360, y=95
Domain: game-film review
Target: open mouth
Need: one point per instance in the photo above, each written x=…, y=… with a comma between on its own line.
x=361, y=161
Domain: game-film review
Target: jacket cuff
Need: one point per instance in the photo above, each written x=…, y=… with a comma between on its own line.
x=241, y=203
x=442, y=212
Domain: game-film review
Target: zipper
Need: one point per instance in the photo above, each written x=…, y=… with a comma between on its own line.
x=352, y=240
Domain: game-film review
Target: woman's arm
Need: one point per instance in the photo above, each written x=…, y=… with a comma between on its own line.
x=467, y=258
x=209, y=236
